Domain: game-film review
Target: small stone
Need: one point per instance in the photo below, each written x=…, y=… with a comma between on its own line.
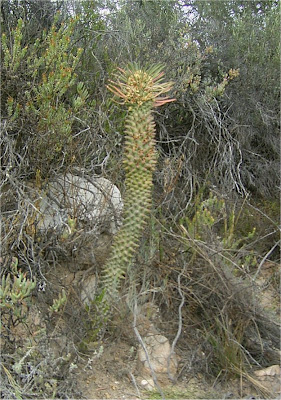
x=147, y=384
x=88, y=289
x=158, y=349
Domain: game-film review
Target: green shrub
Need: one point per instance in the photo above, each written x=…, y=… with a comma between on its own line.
x=48, y=102
x=214, y=224
x=15, y=293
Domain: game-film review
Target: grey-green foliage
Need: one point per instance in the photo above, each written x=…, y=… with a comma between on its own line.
x=49, y=100
x=142, y=30
x=246, y=35
x=15, y=291
x=37, y=15
x=215, y=225
x=59, y=302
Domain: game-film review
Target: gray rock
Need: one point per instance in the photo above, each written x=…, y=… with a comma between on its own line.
x=88, y=289
x=96, y=202
x=158, y=349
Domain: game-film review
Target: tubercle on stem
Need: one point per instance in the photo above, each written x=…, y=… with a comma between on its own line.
x=140, y=90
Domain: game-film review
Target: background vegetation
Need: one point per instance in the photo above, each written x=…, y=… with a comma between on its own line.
x=215, y=219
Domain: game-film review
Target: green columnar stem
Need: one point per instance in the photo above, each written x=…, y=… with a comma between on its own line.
x=139, y=163
x=140, y=90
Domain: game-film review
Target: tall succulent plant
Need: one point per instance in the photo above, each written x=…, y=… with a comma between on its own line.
x=140, y=90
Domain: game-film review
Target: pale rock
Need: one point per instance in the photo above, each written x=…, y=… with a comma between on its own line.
x=94, y=201
x=148, y=384
x=270, y=378
x=159, y=350
x=88, y=289
x=269, y=371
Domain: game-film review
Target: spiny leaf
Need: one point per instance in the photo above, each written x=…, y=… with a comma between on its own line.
x=137, y=86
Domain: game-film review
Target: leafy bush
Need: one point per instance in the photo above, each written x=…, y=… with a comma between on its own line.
x=41, y=112
x=15, y=295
